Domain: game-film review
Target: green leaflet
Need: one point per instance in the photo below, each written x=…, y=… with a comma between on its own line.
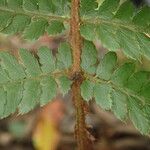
x=55, y=27
x=64, y=57
x=142, y=18
x=87, y=88
x=31, y=96
x=2, y=2
x=5, y=19
x=107, y=8
x=107, y=66
x=119, y=105
x=14, y=4
x=144, y=43
x=122, y=74
x=35, y=29
x=102, y=95
x=46, y=6
x=14, y=97
x=88, y=7
x=89, y=57
x=145, y=91
x=46, y=59
x=62, y=7
x=138, y=80
x=64, y=84
x=146, y=110
x=2, y=102
x=108, y=37
x=10, y=64
x=131, y=49
x=3, y=76
x=31, y=64
x=125, y=11
x=49, y=90
x=17, y=25
x=30, y=5
x=84, y=30
x=138, y=117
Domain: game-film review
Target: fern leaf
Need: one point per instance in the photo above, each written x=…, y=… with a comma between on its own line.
x=118, y=26
x=16, y=4
x=17, y=25
x=46, y=6
x=2, y=101
x=30, y=63
x=27, y=82
x=33, y=18
x=14, y=70
x=87, y=88
x=89, y=57
x=107, y=66
x=35, y=29
x=64, y=84
x=55, y=27
x=64, y=57
x=119, y=105
x=142, y=18
x=47, y=60
x=49, y=90
x=137, y=115
x=122, y=74
x=5, y=19
x=3, y=76
x=30, y=5
x=125, y=11
x=121, y=89
x=102, y=95
x=31, y=96
x=14, y=96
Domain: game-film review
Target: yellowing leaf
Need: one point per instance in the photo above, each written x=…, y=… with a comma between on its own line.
x=46, y=135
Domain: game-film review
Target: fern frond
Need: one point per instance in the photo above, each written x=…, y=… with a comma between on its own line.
x=28, y=82
x=118, y=26
x=121, y=89
x=33, y=18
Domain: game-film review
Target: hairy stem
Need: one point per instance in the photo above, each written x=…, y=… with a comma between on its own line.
x=80, y=128
x=76, y=44
x=75, y=37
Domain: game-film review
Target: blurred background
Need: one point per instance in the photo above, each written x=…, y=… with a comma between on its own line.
x=52, y=127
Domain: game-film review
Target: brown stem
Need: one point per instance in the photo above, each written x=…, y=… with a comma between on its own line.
x=80, y=128
x=77, y=76
x=75, y=37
